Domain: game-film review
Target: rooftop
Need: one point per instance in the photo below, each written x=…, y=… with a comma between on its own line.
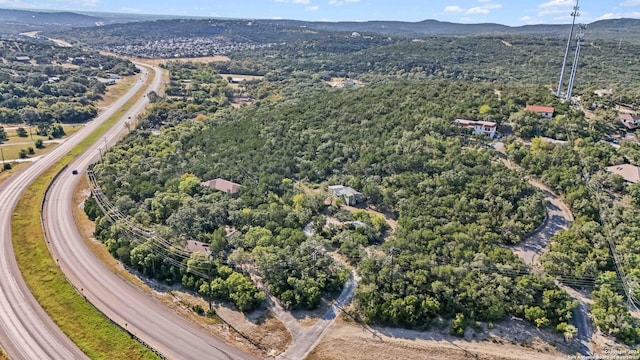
x=465, y=122
x=222, y=185
x=623, y=116
x=630, y=173
x=340, y=190
x=540, y=109
x=197, y=246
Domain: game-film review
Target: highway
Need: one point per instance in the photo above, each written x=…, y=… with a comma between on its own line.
x=126, y=304
x=26, y=332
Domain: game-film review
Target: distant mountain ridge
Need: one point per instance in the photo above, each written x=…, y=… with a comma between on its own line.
x=600, y=29
x=16, y=21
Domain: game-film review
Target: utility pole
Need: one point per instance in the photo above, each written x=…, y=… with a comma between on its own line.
x=392, y=251
x=575, y=14
x=574, y=66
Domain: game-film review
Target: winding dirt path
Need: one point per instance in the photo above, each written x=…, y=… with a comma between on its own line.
x=559, y=217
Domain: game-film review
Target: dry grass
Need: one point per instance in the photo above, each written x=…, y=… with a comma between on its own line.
x=347, y=340
x=114, y=92
x=3, y=356
x=4, y=175
x=91, y=331
x=12, y=152
x=14, y=144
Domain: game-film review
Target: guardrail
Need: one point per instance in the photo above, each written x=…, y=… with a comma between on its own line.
x=80, y=291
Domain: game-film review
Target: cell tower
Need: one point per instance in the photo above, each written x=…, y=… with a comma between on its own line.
x=576, y=58
x=574, y=14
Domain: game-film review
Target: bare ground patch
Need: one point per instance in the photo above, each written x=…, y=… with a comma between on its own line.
x=348, y=340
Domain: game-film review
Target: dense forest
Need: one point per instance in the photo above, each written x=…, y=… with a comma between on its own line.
x=529, y=55
x=42, y=83
x=456, y=207
x=514, y=59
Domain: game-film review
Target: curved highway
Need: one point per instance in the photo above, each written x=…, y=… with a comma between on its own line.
x=123, y=302
x=26, y=332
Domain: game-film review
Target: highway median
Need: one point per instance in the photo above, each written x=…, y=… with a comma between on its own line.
x=89, y=329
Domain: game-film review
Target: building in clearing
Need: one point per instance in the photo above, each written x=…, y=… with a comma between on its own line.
x=479, y=127
x=347, y=194
x=544, y=111
x=630, y=121
x=193, y=246
x=222, y=185
x=630, y=173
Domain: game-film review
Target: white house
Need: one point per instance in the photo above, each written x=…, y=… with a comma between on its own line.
x=350, y=196
x=544, y=111
x=479, y=127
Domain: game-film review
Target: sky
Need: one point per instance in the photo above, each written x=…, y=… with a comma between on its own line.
x=508, y=12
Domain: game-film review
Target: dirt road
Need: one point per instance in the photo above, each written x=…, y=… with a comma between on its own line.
x=558, y=218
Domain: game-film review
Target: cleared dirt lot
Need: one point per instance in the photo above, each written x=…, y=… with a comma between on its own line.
x=509, y=341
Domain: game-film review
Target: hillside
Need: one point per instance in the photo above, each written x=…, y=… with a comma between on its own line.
x=18, y=21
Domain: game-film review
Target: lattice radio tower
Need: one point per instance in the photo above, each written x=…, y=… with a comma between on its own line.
x=574, y=14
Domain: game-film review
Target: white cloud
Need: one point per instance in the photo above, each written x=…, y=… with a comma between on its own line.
x=630, y=3
x=341, y=2
x=477, y=10
x=492, y=6
x=313, y=8
x=453, y=8
x=556, y=3
x=632, y=14
x=483, y=9
x=304, y=2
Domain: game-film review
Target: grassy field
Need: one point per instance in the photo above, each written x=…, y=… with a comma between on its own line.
x=91, y=331
x=117, y=90
x=11, y=148
x=4, y=175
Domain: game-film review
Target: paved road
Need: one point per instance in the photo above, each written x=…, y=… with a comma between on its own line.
x=121, y=301
x=26, y=332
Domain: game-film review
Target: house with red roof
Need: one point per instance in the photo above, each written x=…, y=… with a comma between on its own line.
x=544, y=111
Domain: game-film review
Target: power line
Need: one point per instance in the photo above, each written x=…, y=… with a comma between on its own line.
x=574, y=14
